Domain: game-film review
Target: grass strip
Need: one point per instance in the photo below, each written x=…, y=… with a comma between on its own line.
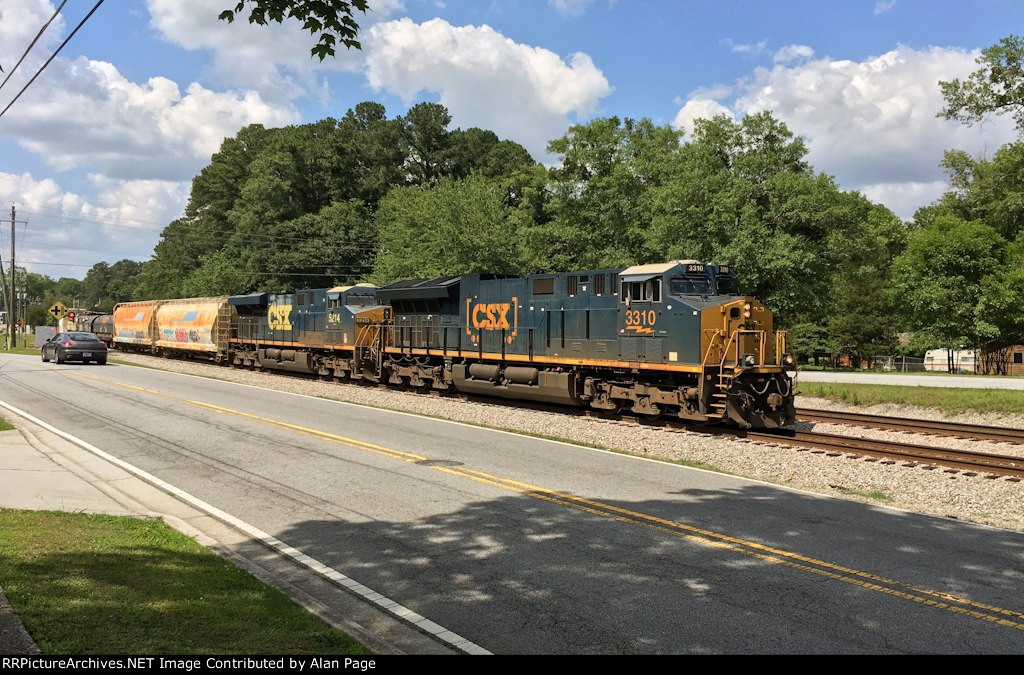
x=95, y=584
x=946, y=399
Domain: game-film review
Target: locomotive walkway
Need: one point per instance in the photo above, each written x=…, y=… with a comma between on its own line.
x=526, y=545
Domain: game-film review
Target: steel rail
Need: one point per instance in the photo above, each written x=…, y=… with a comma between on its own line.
x=918, y=426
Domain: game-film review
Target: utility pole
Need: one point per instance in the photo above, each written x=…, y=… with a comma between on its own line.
x=11, y=310
x=3, y=285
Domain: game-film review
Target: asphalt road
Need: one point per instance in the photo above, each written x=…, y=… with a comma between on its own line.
x=527, y=546
x=907, y=380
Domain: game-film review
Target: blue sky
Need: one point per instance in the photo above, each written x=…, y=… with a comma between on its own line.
x=99, y=152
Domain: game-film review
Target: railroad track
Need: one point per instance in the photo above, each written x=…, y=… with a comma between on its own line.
x=924, y=456
x=971, y=431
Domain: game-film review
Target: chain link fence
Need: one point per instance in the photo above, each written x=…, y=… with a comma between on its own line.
x=899, y=364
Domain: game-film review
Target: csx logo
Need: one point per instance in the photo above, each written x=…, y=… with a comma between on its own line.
x=503, y=316
x=279, y=317
x=491, y=316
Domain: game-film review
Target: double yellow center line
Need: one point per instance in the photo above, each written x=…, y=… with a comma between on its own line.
x=841, y=573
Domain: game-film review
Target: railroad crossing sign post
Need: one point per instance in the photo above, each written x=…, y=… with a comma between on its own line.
x=58, y=311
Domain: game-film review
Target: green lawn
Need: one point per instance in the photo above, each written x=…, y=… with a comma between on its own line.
x=942, y=398
x=24, y=344
x=90, y=584
x=4, y=426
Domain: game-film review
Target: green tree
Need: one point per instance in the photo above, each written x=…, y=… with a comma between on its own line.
x=999, y=317
x=996, y=87
x=991, y=191
x=455, y=227
x=742, y=194
x=939, y=281
x=428, y=141
x=598, y=209
x=807, y=339
x=861, y=314
x=330, y=20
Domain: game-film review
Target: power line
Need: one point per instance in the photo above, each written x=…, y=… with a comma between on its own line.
x=33, y=43
x=52, y=56
x=247, y=238
x=39, y=262
x=64, y=214
x=329, y=270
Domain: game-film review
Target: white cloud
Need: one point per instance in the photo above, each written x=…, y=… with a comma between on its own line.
x=883, y=6
x=698, y=108
x=904, y=198
x=570, y=7
x=19, y=21
x=274, y=59
x=751, y=48
x=485, y=79
x=870, y=123
x=86, y=114
x=68, y=232
x=791, y=53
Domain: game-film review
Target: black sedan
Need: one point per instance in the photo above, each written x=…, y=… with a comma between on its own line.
x=75, y=346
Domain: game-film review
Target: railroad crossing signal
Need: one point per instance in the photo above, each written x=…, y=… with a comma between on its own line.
x=58, y=311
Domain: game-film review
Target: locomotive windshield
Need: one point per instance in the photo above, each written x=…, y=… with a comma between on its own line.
x=692, y=285
x=727, y=284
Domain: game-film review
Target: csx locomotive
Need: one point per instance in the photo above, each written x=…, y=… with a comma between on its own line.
x=675, y=339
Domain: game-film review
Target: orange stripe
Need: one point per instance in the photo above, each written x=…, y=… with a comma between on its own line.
x=525, y=358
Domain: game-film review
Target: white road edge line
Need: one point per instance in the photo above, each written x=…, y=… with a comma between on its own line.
x=400, y=612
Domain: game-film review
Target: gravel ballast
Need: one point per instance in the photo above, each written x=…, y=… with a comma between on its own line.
x=997, y=502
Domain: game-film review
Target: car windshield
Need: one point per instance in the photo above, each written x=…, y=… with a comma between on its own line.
x=691, y=286
x=82, y=337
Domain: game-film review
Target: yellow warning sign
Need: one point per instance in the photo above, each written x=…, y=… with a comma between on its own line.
x=58, y=311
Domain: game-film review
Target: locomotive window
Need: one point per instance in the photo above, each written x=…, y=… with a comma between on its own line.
x=1018, y=357
x=544, y=286
x=302, y=298
x=727, y=285
x=311, y=297
x=571, y=285
x=599, y=284
x=691, y=286
x=359, y=300
x=641, y=291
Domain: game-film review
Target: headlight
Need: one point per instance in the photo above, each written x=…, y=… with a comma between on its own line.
x=788, y=359
x=749, y=361
x=747, y=307
x=746, y=314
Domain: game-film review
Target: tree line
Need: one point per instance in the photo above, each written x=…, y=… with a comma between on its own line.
x=371, y=198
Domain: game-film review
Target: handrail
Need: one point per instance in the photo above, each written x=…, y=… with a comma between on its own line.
x=716, y=336
x=734, y=342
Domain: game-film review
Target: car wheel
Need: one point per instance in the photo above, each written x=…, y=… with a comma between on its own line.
x=101, y=362
x=46, y=359
x=59, y=358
